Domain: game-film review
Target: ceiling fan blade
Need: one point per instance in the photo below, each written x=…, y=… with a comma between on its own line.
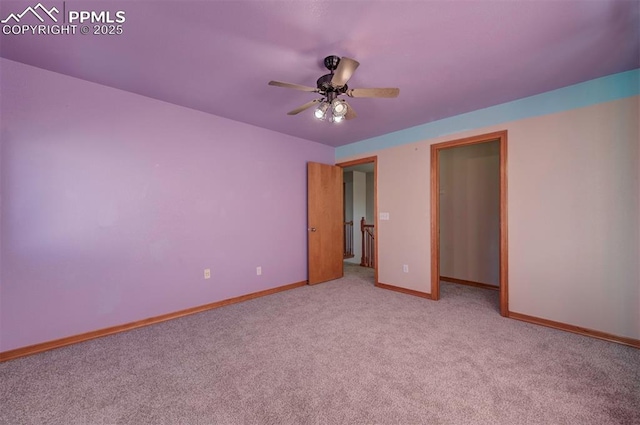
x=346, y=68
x=303, y=107
x=293, y=86
x=386, y=92
x=351, y=114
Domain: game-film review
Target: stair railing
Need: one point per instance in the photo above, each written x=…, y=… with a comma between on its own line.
x=348, y=239
x=368, y=244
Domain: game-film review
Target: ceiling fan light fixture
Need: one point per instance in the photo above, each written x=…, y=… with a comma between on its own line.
x=321, y=110
x=339, y=108
x=338, y=118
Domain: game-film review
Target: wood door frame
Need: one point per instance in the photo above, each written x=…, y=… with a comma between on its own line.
x=501, y=137
x=367, y=160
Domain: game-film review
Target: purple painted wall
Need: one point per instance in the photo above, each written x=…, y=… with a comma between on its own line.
x=113, y=204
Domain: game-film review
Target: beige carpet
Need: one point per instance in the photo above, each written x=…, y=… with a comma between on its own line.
x=342, y=352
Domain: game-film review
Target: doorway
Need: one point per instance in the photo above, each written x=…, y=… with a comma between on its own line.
x=440, y=222
x=360, y=183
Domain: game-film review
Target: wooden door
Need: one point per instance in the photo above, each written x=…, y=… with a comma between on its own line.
x=324, y=220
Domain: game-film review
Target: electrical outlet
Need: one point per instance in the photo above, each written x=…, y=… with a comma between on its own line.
x=207, y=273
x=405, y=268
x=258, y=270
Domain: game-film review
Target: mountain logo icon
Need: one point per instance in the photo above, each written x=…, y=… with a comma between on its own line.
x=43, y=11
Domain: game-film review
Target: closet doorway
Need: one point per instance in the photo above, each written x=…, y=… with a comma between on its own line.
x=469, y=214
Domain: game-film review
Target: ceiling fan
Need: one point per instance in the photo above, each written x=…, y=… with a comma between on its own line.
x=332, y=85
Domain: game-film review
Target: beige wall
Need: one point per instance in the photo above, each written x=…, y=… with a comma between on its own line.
x=370, y=199
x=470, y=212
x=573, y=209
x=347, y=177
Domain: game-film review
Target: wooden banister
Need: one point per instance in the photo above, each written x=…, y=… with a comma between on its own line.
x=348, y=239
x=368, y=244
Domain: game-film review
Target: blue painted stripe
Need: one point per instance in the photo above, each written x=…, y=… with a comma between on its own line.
x=600, y=90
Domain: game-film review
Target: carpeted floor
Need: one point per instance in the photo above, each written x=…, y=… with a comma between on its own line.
x=342, y=352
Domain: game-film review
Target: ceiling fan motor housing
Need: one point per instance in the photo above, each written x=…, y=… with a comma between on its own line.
x=324, y=85
x=324, y=82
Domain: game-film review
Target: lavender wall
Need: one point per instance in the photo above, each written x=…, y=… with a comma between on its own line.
x=113, y=204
